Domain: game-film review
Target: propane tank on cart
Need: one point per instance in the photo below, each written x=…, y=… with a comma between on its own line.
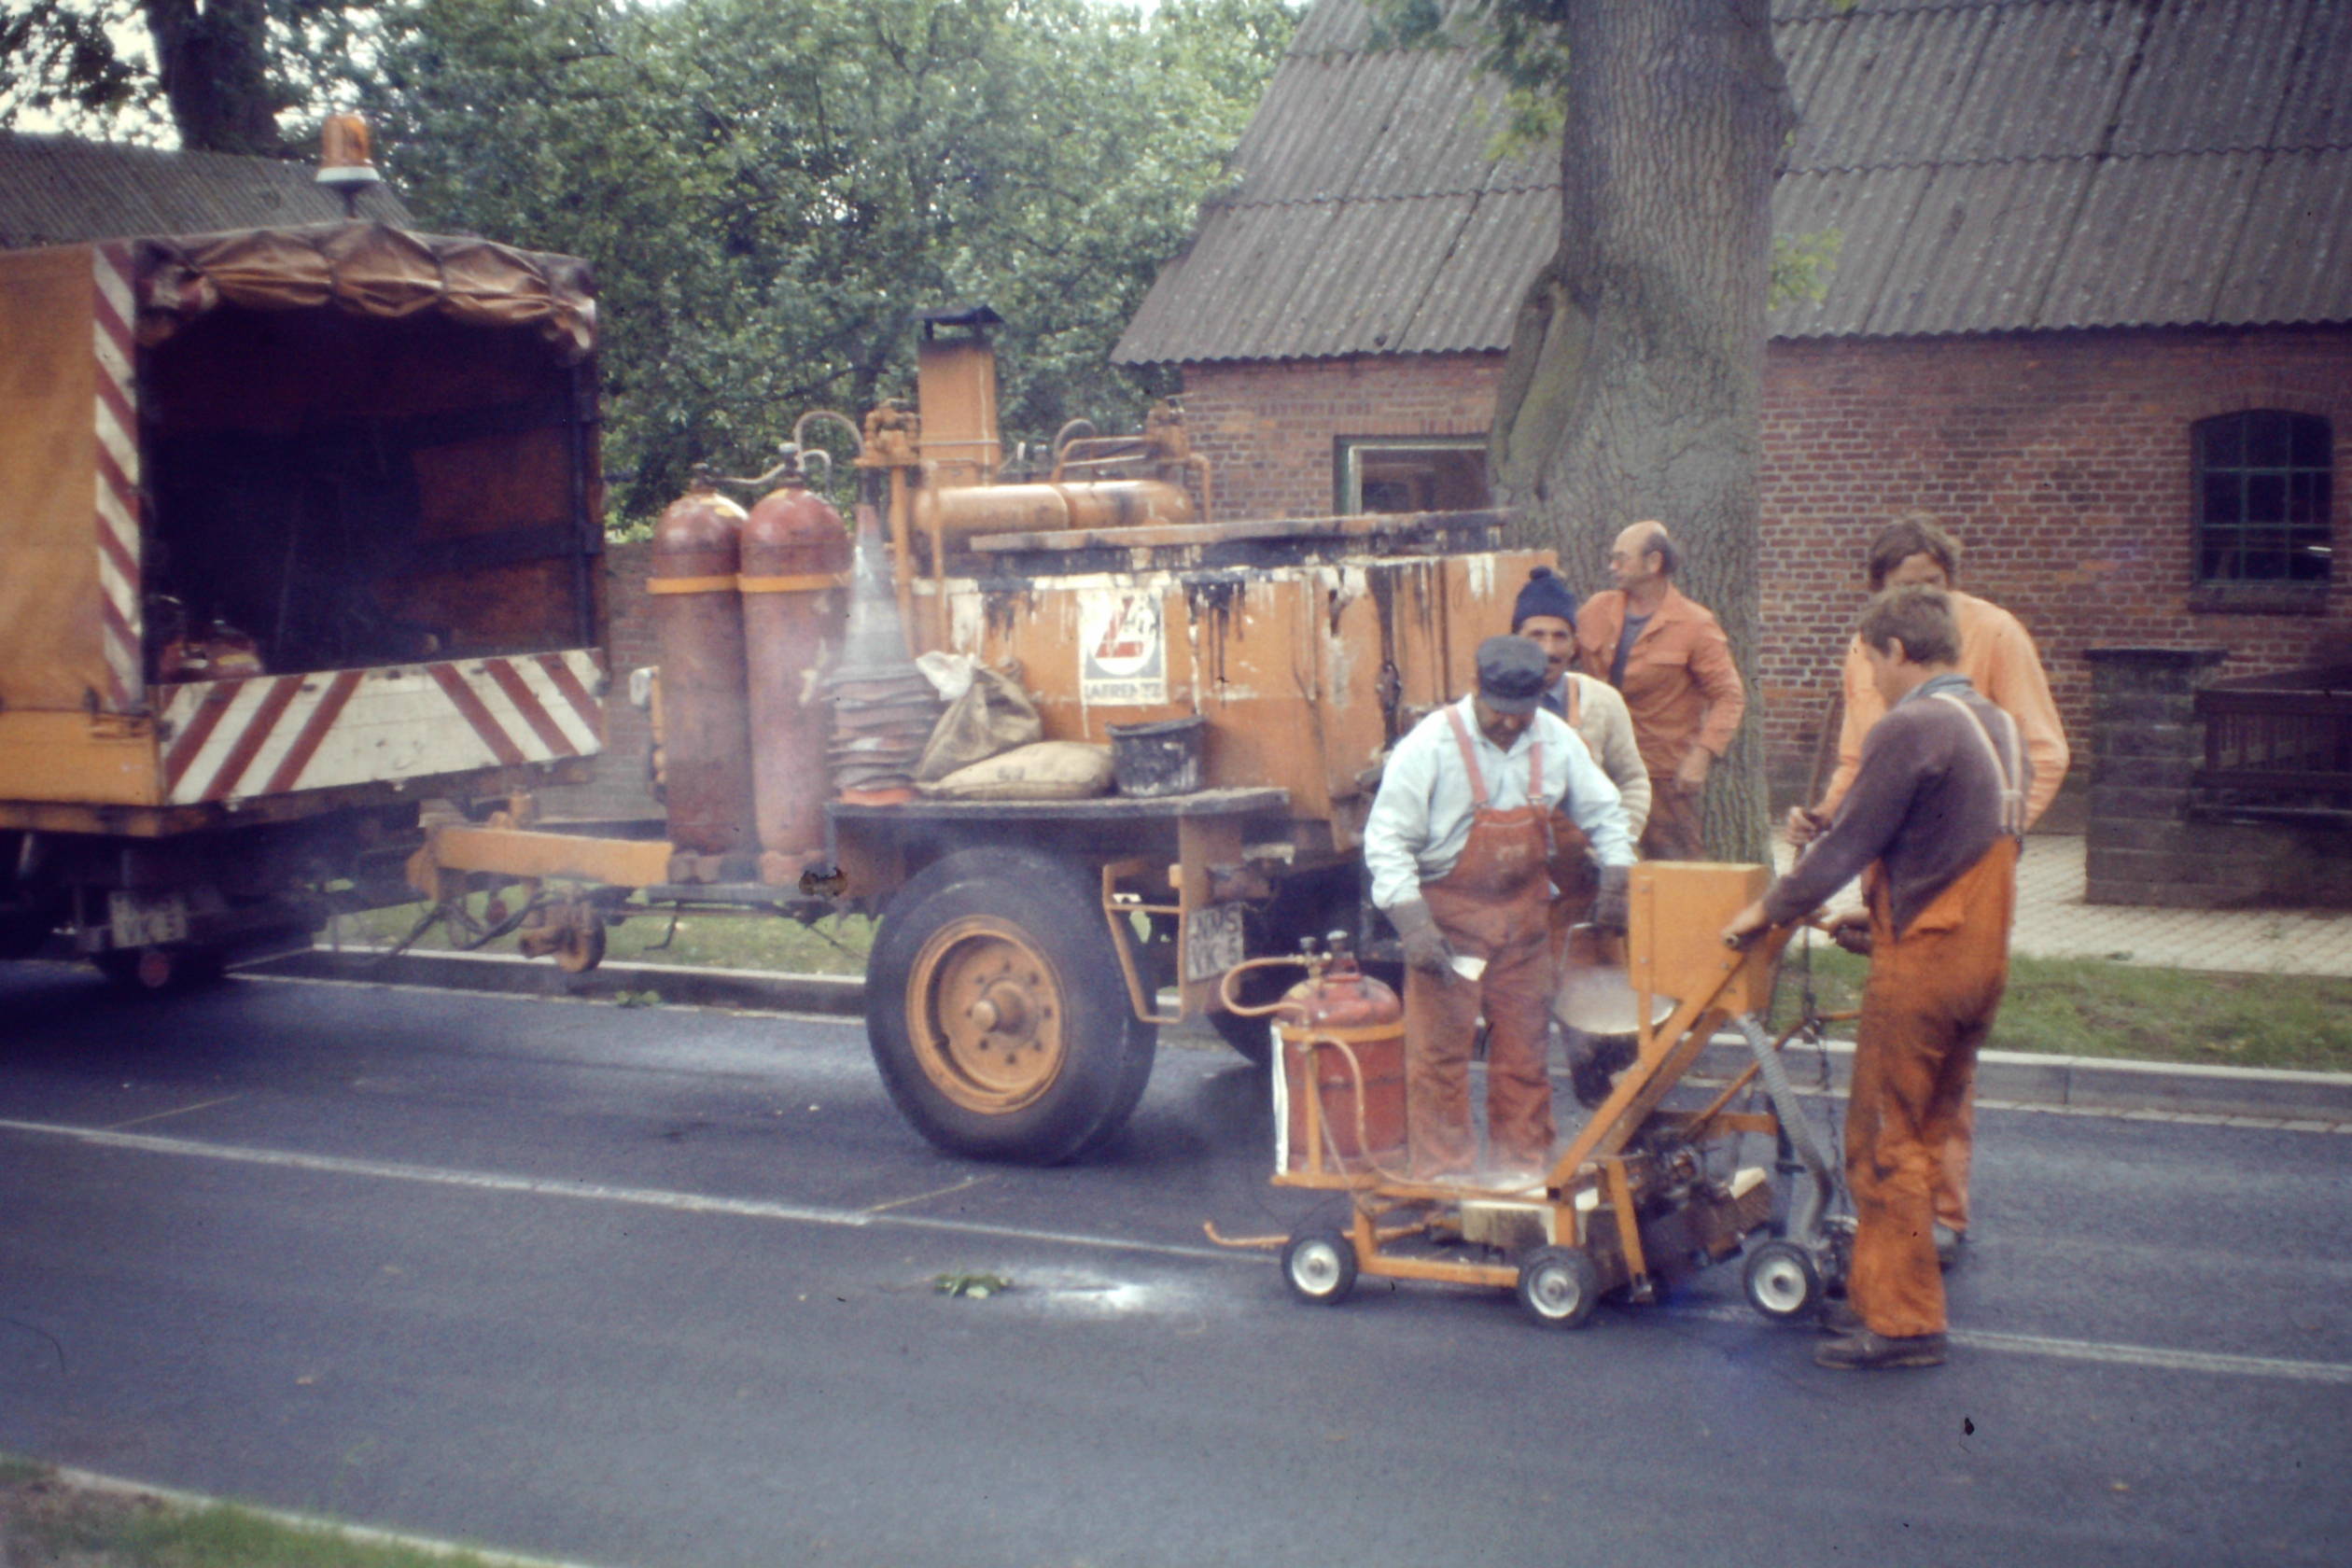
x=796, y=589
x=706, y=729
x=1345, y=1031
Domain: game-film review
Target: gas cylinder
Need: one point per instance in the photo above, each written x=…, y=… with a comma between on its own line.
x=1356, y=1110
x=706, y=729
x=795, y=588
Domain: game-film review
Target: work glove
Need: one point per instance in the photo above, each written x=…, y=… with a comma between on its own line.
x=1852, y=931
x=1608, y=904
x=1425, y=947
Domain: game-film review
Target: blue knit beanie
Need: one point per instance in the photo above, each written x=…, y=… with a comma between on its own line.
x=1547, y=593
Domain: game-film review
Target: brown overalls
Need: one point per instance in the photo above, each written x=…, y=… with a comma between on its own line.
x=1927, y=1009
x=1494, y=904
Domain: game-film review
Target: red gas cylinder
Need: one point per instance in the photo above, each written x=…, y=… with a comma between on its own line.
x=706, y=723
x=795, y=587
x=1355, y=1109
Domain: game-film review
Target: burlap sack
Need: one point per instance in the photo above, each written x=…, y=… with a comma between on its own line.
x=991, y=716
x=1049, y=770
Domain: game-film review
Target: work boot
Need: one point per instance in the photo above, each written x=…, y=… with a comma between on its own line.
x=1948, y=1245
x=1867, y=1351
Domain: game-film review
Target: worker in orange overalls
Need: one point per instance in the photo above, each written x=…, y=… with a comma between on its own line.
x=1456, y=844
x=1671, y=659
x=1998, y=657
x=1932, y=822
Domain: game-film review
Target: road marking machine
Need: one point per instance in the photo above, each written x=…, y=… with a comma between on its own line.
x=1643, y=1194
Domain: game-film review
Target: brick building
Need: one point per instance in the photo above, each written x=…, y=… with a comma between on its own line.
x=2090, y=307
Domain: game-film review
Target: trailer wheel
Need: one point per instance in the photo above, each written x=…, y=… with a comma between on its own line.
x=1319, y=1267
x=1782, y=1282
x=997, y=1011
x=1558, y=1287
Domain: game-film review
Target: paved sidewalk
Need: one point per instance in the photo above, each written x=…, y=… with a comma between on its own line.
x=2054, y=922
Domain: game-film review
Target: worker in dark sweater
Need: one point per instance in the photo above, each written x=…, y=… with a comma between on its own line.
x=1932, y=824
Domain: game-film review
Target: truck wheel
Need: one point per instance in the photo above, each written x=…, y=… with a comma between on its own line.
x=1253, y=1037
x=997, y=1013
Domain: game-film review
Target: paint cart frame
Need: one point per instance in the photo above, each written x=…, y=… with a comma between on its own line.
x=1637, y=1200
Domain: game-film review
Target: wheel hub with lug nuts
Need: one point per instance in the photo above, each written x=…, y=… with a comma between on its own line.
x=987, y=1012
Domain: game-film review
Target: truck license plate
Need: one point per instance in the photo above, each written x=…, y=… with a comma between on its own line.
x=1212, y=941
x=148, y=920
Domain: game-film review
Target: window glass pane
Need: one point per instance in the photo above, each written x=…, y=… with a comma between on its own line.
x=2220, y=437
x=2311, y=443
x=2310, y=564
x=2265, y=497
x=2266, y=444
x=2303, y=497
x=2219, y=563
x=2220, y=498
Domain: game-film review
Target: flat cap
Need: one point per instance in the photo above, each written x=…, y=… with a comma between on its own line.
x=1510, y=674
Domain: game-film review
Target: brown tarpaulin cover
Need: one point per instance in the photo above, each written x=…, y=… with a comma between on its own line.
x=366, y=269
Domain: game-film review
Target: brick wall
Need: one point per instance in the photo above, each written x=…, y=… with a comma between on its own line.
x=2060, y=460
x=1269, y=429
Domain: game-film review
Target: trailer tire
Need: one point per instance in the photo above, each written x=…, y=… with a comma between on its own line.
x=160, y=971
x=996, y=1011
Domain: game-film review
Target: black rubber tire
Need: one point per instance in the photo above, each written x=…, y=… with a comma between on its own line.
x=1051, y=910
x=1558, y=1287
x=1782, y=1282
x=1319, y=1267
x=1253, y=1037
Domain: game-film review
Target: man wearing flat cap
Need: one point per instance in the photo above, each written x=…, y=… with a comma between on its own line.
x=1457, y=844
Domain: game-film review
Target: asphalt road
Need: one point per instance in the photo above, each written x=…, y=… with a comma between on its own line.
x=654, y=1287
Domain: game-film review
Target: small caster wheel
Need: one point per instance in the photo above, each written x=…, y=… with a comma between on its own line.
x=1558, y=1287
x=1319, y=1267
x=1782, y=1282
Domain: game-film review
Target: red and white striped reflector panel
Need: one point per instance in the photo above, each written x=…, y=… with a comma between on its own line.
x=115, y=424
x=274, y=734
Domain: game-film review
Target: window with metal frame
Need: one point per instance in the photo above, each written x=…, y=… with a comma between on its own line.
x=1409, y=473
x=2264, y=482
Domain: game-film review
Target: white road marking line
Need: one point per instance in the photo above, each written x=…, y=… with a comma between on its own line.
x=424, y=1545
x=539, y=1187
x=852, y=1219
x=2090, y=1349
x=166, y=1116
x=884, y=1206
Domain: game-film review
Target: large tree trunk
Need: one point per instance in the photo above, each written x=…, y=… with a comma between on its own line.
x=213, y=61
x=1634, y=379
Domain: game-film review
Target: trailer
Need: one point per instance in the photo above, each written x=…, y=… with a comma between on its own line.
x=300, y=530
x=1029, y=949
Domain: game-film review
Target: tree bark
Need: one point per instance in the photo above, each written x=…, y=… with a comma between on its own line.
x=212, y=63
x=1634, y=385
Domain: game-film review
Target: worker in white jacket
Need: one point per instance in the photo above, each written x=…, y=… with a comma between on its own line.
x=1458, y=845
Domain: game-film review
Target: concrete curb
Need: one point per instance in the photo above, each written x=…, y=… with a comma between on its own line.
x=2084, y=1084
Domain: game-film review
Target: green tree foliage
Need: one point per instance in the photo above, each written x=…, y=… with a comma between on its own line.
x=219, y=75
x=773, y=190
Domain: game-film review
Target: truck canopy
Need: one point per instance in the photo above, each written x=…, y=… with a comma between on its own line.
x=358, y=447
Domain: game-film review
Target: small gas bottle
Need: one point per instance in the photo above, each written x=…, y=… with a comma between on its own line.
x=1341, y=1034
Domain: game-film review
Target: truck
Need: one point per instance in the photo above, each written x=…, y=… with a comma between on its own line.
x=1029, y=945
x=300, y=530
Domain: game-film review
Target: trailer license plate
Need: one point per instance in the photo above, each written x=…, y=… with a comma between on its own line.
x=1212, y=941
x=148, y=920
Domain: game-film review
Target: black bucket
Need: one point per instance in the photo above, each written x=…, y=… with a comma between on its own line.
x=1157, y=759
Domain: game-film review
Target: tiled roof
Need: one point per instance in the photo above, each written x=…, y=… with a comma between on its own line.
x=1988, y=165
x=63, y=190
